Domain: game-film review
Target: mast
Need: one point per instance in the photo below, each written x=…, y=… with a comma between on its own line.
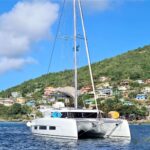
x=75, y=55
x=87, y=52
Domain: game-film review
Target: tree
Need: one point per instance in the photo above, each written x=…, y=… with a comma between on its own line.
x=25, y=109
x=15, y=109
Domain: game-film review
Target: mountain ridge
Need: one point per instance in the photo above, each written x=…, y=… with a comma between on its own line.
x=132, y=65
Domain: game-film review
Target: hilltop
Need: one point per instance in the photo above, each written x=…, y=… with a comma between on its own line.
x=132, y=65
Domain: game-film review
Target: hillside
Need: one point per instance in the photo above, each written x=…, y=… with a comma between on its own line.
x=133, y=64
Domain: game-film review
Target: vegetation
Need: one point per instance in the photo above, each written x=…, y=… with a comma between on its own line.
x=124, y=110
x=15, y=112
x=132, y=65
x=117, y=68
x=134, y=108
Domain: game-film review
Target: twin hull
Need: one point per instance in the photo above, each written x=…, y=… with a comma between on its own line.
x=78, y=128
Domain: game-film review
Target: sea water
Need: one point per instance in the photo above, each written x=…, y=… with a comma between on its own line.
x=16, y=136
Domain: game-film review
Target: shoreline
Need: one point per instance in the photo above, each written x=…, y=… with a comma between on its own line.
x=134, y=122
x=139, y=122
x=13, y=120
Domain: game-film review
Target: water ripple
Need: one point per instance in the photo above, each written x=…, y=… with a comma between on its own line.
x=16, y=136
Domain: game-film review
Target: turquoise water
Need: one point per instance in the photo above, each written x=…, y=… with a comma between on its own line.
x=16, y=136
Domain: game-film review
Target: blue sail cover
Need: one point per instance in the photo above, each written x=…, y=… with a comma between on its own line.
x=56, y=115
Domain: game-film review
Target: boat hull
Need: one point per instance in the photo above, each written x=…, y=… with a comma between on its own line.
x=67, y=128
x=55, y=127
x=116, y=128
x=71, y=128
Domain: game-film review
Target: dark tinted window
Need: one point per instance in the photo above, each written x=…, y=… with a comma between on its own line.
x=52, y=128
x=70, y=115
x=64, y=114
x=42, y=127
x=90, y=115
x=77, y=115
x=35, y=127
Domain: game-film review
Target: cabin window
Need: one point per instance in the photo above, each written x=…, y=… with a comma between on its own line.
x=77, y=115
x=90, y=115
x=52, y=128
x=64, y=114
x=35, y=127
x=42, y=127
x=70, y=115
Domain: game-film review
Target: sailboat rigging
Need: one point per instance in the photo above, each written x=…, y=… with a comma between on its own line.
x=75, y=123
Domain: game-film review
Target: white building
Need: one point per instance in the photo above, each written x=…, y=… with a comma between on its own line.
x=49, y=90
x=122, y=88
x=141, y=97
x=105, y=92
x=146, y=89
x=103, y=79
x=15, y=94
x=140, y=81
x=7, y=102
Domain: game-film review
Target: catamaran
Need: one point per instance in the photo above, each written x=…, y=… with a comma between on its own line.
x=74, y=123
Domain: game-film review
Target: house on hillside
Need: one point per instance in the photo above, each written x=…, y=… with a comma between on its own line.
x=106, y=84
x=48, y=91
x=43, y=101
x=104, y=93
x=122, y=88
x=20, y=100
x=37, y=90
x=16, y=94
x=44, y=108
x=89, y=101
x=148, y=109
x=140, y=81
x=125, y=94
x=103, y=85
x=86, y=89
x=124, y=83
x=59, y=96
x=6, y=101
x=146, y=90
x=30, y=103
x=103, y=79
x=141, y=97
x=147, y=81
x=64, y=94
x=128, y=103
x=52, y=98
x=29, y=94
x=58, y=105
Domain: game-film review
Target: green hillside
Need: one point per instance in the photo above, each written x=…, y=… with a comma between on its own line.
x=131, y=65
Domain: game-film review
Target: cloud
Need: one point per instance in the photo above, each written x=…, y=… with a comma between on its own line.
x=100, y=5
x=103, y=5
x=27, y=22
x=7, y=64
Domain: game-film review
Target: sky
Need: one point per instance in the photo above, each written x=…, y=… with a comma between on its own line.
x=28, y=29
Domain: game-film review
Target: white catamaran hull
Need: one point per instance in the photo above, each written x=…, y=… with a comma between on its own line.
x=116, y=128
x=66, y=128
x=80, y=128
x=55, y=127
